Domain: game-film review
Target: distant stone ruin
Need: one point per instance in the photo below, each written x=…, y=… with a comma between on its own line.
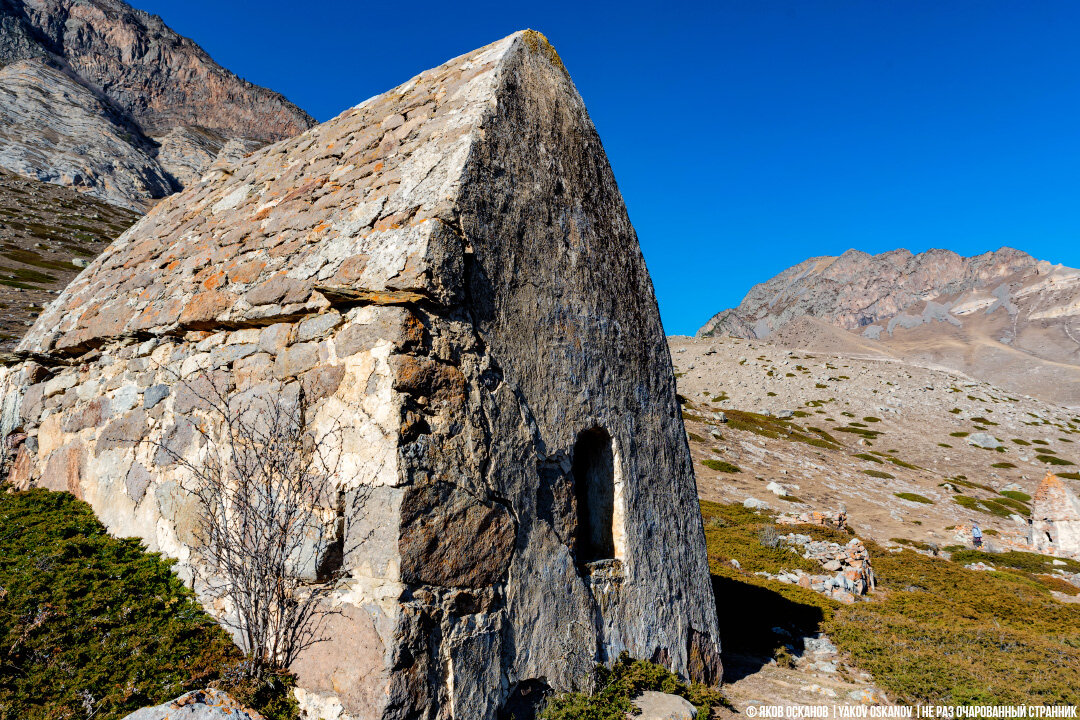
x=1055, y=518
x=448, y=269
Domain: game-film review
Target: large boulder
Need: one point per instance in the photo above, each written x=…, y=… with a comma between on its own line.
x=448, y=270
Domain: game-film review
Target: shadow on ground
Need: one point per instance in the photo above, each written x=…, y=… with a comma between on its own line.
x=748, y=615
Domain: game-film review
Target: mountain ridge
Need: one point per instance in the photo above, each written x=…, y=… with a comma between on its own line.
x=87, y=82
x=1003, y=316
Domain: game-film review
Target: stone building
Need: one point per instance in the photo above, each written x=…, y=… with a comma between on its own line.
x=450, y=267
x=1055, y=518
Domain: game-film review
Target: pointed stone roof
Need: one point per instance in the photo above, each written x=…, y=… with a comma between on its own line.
x=1053, y=499
x=361, y=204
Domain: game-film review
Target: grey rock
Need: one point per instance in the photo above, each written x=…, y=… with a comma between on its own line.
x=197, y=705
x=662, y=706
x=155, y=394
x=755, y=504
x=84, y=83
x=983, y=440
x=57, y=130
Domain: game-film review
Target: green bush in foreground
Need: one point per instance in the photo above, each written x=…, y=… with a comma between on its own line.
x=95, y=625
x=626, y=679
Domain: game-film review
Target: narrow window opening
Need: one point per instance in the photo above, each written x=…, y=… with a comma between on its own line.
x=594, y=489
x=334, y=555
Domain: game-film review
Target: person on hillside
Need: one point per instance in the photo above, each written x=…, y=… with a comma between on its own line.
x=976, y=535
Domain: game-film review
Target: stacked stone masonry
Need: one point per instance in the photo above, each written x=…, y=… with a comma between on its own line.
x=450, y=267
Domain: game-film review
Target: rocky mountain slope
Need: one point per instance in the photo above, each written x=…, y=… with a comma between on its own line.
x=47, y=235
x=914, y=452
x=1003, y=316
x=107, y=99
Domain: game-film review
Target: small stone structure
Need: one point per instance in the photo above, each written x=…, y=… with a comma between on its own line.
x=1055, y=518
x=450, y=269
x=848, y=569
x=835, y=520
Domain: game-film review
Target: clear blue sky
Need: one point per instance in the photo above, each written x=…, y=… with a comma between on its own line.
x=746, y=135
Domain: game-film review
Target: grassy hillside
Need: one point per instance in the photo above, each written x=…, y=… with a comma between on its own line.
x=934, y=633
x=92, y=625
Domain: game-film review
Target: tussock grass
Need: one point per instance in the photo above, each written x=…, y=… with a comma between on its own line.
x=914, y=497
x=935, y=633
x=720, y=465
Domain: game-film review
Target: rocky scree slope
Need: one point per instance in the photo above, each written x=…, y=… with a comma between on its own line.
x=47, y=235
x=105, y=71
x=1003, y=316
x=913, y=452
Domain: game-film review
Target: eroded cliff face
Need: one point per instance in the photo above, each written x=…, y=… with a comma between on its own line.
x=160, y=78
x=89, y=82
x=58, y=131
x=449, y=268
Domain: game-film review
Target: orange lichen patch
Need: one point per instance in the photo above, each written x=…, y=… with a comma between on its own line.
x=262, y=214
x=320, y=227
x=206, y=306
x=211, y=278
x=247, y=271
x=369, y=297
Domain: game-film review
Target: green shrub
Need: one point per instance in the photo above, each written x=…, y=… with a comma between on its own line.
x=1003, y=465
x=1001, y=507
x=1012, y=503
x=694, y=437
x=1016, y=495
x=946, y=634
x=1052, y=460
x=966, y=501
x=914, y=497
x=878, y=474
x=870, y=458
x=959, y=433
x=88, y=619
x=1069, y=475
x=872, y=419
x=720, y=465
x=1019, y=441
x=626, y=679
